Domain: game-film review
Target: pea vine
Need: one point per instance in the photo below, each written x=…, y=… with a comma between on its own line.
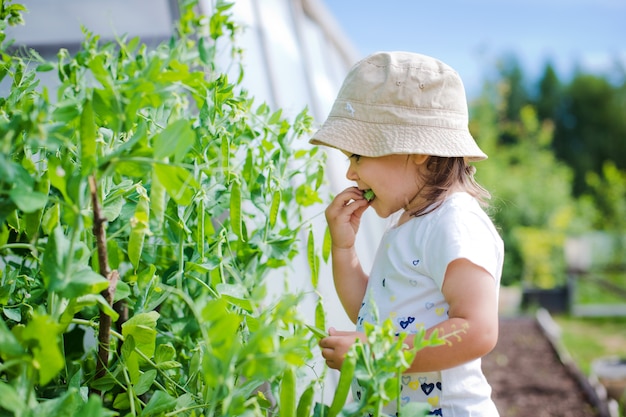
x=144, y=202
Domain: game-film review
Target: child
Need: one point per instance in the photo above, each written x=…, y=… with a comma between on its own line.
x=401, y=119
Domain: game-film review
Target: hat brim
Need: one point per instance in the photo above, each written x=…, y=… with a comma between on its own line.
x=379, y=139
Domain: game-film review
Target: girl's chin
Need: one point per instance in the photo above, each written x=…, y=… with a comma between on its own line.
x=379, y=211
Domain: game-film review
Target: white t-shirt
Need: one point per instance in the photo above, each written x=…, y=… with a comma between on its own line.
x=405, y=285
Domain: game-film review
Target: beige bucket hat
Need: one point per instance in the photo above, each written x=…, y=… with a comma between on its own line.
x=400, y=103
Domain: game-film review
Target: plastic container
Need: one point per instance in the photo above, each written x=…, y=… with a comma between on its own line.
x=611, y=372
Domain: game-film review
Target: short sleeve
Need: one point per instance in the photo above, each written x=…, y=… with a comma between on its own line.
x=469, y=234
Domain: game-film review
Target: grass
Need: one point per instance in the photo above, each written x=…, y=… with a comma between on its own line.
x=589, y=338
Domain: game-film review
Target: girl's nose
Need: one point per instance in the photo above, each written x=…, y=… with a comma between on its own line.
x=351, y=173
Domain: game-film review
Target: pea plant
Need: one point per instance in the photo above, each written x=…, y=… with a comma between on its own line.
x=144, y=204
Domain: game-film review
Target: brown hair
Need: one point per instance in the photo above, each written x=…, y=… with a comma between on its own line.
x=444, y=173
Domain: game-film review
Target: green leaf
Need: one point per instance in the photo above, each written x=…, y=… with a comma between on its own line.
x=94, y=408
x=121, y=401
x=10, y=400
x=42, y=332
x=222, y=325
x=236, y=294
x=142, y=327
x=138, y=136
x=65, y=112
x=160, y=403
x=4, y=235
x=58, y=177
x=130, y=358
x=97, y=66
x=31, y=222
x=77, y=304
x=112, y=208
x=54, y=259
x=128, y=347
x=176, y=139
x=307, y=196
x=14, y=314
x=105, y=307
x=275, y=117
x=133, y=169
x=415, y=409
x=87, y=139
x=164, y=352
x=122, y=290
x=28, y=200
x=9, y=345
x=178, y=182
x=68, y=404
x=84, y=282
x=145, y=382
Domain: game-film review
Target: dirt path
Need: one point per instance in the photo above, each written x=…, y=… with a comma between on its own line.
x=527, y=377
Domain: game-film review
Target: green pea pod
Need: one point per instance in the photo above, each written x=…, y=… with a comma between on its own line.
x=288, y=393
x=343, y=386
x=320, y=315
x=319, y=178
x=87, y=138
x=225, y=151
x=158, y=197
x=312, y=259
x=326, y=245
x=135, y=245
x=319, y=333
x=274, y=208
x=139, y=227
x=246, y=172
x=306, y=402
x=235, y=209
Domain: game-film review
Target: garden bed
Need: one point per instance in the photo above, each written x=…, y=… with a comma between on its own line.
x=529, y=379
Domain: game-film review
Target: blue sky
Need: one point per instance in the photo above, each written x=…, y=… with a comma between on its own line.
x=470, y=35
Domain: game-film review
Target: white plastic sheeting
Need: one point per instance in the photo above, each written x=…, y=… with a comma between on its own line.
x=295, y=56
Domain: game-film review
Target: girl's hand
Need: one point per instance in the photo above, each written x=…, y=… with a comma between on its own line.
x=337, y=344
x=344, y=217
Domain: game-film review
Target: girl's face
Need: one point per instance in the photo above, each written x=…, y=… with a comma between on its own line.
x=393, y=178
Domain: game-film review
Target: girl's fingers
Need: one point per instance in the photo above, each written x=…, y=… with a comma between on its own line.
x=350, y=194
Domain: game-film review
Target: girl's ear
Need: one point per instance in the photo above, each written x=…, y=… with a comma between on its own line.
x=419, y=159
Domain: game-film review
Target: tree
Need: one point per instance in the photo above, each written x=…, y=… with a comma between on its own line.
x=549, y=94
x=591, y=128
x=514, y=94
x=531, y=192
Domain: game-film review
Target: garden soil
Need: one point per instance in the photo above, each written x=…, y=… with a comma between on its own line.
x=527, y=376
